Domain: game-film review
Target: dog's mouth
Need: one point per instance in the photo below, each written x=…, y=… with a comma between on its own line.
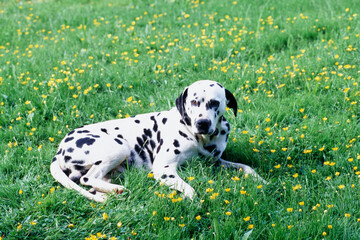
x=203, y=132
x=210, y=132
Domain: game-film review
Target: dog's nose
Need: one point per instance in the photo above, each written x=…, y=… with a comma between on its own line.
x=203, y=126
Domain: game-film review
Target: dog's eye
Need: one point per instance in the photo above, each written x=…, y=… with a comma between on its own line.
x=194, y=103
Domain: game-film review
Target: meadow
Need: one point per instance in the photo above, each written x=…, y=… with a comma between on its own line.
x=293, y=67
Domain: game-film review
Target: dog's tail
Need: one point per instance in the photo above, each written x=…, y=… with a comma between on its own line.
x=64, y=180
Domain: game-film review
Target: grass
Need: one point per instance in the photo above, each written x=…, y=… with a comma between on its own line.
x=292, y=65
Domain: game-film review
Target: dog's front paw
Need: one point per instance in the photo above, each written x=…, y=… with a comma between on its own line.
x=189, y=192
x=98, y=196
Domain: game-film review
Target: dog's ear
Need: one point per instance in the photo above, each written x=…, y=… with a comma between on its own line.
x=231, y=101
x=180, y=102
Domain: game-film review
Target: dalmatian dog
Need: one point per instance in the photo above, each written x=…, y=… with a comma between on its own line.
x=158, y=141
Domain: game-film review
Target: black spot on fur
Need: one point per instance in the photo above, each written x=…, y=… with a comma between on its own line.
x=148, y=133
x=54, y=159
x=163, y=176
x=69, y=139
x=79, y=167
x=140, y=141
x=75, y=179
x=94, y=136
x=220, y=85
x=152, y=144
x=140, y=152
x=88, y=141
x=176, y=151
x=164, y=120
x=183, y=134
x=83, y=131
x=150, y=154
x=85, y=179
x=155, y=127
x=116, y=128
x=212, y=104
x=171, y=176
x=87, y=152
x=166, y=166
x=67, y=158
x=92, y=191
x=70, y=150
x=120, y=136
x=187, y=120
x=104, y=130
x=160, y=144
x=223, y=132
x=137, y=148
x=59, y=152
x=145, y=139
x=158, y=137
x=98, y=162
x=211, y=85
x=67, y=172
x=137, y=121
x=118, y=141
x=78, y=161
x=176, y=143
x=71, y=132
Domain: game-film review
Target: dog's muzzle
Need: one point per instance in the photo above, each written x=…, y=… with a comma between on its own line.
x=203, y=126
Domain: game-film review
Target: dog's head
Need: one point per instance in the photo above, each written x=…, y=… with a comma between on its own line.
x=203, y=103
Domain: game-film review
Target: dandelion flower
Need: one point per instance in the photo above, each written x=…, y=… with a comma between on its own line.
x=246, y=219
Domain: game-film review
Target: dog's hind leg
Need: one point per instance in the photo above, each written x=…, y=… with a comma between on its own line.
x=96, y=176
x=63, y=179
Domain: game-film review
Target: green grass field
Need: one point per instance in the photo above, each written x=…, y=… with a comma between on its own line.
x=293, y=66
